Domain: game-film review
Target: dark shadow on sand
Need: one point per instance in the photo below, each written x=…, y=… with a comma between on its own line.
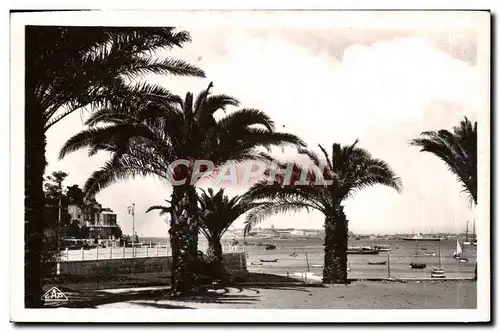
x=231, y=293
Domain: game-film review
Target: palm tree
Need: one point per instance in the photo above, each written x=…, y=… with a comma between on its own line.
x=69, y=69
x=458, y=149
x=144, y=140
x=218, y=214
x=329, y=183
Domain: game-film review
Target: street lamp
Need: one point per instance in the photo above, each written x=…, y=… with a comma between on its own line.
x=131, y=210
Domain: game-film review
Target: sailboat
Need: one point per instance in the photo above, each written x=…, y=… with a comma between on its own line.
x=439, y=271
x=417, y=264
x=458, y=253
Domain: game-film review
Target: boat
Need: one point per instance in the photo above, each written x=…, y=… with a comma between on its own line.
x=270, y=247
x=473, y=240
x=274, y=260
x=377, y=263
x=316, y=265
x=254, y=263
x=430, y=254
x=418, y=265
x=423, y=248
x=382, y=247
x=438, y=272
x=362, y=251
x=458, y=253
x=420, y=237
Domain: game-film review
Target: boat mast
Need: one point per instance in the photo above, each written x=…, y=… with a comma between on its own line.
x=439, y=256
x=474, y=230
x=467, y=231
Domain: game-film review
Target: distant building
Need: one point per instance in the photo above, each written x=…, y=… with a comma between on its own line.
x=101, y=221
x=297, y=232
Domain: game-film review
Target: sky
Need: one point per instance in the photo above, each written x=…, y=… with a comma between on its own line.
x=380, y=83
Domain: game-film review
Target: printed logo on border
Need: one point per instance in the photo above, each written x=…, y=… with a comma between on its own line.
x=54, y=295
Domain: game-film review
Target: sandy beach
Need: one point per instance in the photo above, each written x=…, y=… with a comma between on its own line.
x=275, y=292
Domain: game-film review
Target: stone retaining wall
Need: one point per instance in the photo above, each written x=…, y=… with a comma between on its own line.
x=235, y=264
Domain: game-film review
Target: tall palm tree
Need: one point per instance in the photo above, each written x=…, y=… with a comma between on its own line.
x=71, y=68
x=144, y=139
x=458, y=149
x=218, y=213
x=329, y=183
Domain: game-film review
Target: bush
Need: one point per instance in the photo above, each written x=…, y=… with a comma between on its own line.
x=207, y=270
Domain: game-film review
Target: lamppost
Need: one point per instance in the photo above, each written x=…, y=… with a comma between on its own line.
x=131, y=210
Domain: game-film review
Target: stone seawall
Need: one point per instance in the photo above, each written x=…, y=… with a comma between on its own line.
x=235, y=264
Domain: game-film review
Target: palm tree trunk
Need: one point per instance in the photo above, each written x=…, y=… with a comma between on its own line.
x=215, y=248
x=185, y=236
x=215, y=256
x=174, y=245
x=335, y=266
x=34, y=207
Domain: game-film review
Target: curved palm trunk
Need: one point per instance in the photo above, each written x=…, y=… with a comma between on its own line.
x=335, y=266
x=34, y=206
x=184, y=238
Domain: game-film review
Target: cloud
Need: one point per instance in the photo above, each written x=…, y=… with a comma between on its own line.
x=384, y=90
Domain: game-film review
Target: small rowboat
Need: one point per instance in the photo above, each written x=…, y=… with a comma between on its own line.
x=377, y=263
x=253, y=263
x=316, y=265
x=438, y=273
x=269, y=260
x=270, y=247
x=430, y=254
x=418, y=265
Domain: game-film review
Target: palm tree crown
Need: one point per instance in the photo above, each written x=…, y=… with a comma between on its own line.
x=68, y=68
x=329, y=182
x=219, y=211
x=458, y=149
x=146, y=137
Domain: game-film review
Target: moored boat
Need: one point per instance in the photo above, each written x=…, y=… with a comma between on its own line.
x=458, y=252
x=377, y=263
x=420, y=237
x=362, y=251
x=418, y=265
x=382, y=247
x=439, y=271
x=270, y=247
x=274, y=260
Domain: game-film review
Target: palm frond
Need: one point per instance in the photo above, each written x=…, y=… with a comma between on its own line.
x=271, y=208
x=162, y=209
x=458, y=150
x=116, y=169
x=244, y=118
